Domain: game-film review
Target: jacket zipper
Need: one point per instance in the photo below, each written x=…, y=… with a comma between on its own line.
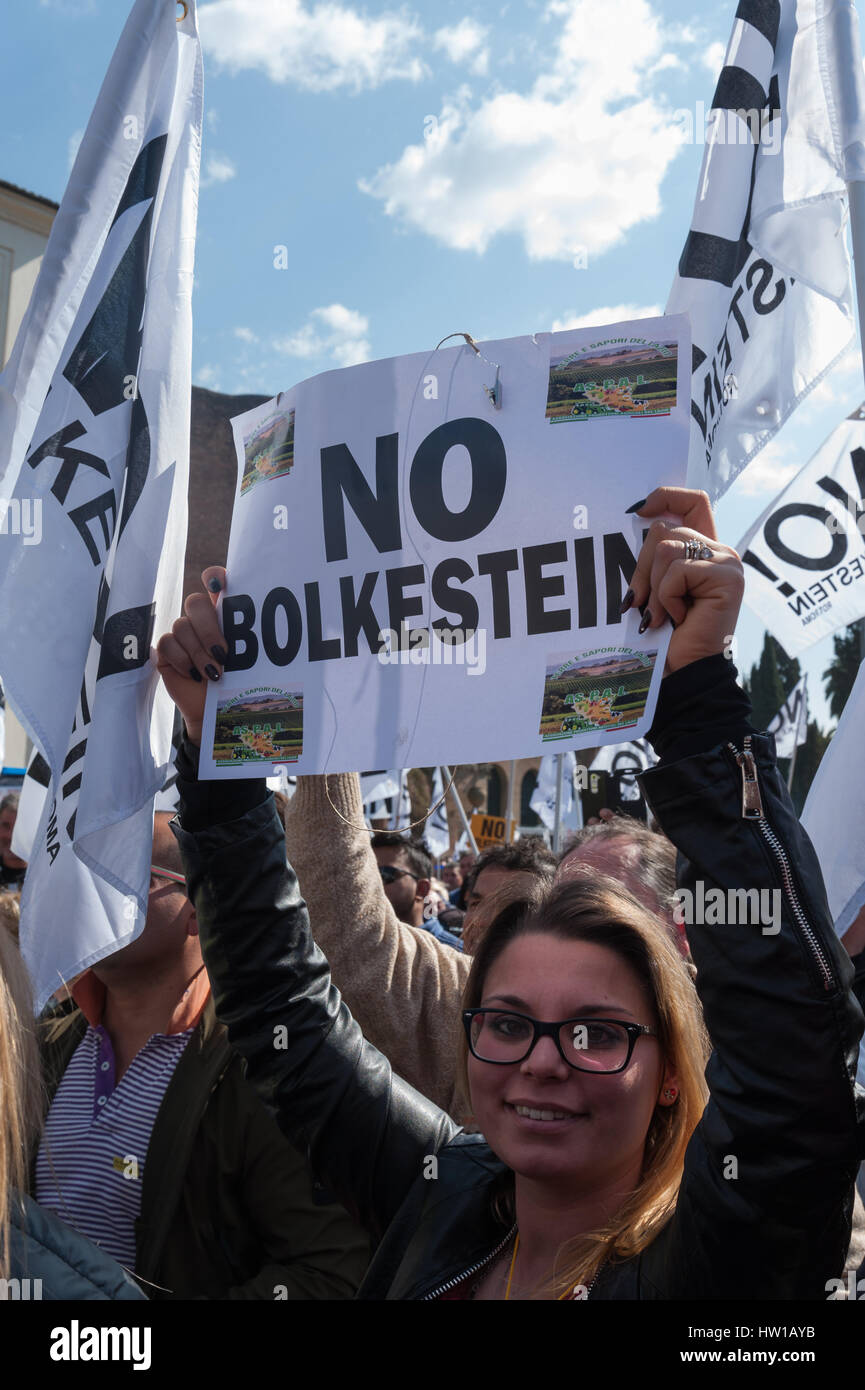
x=752, y=809
x=451, y=1283
x=472, y=1269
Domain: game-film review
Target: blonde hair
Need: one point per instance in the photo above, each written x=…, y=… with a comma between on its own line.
x=21, y=1092
x=605, y=913
x=10, y=913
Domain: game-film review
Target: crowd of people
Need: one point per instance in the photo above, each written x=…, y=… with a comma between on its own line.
x=320, y=1073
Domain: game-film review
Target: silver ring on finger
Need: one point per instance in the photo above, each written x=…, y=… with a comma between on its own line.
x=697, y=550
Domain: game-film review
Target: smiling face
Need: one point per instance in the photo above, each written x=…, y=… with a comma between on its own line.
x=546, y=1120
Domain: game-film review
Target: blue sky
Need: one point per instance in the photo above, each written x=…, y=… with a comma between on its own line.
x=393, y=151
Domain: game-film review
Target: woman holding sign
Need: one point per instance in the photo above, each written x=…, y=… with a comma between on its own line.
x=602, y=1169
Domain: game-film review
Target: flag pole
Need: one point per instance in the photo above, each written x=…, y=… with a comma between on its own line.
x=446, y=775
x=512, y=777
x=803, y=704
x=557, y=824
x=578, y=794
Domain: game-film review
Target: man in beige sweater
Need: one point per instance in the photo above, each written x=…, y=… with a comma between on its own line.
x=402, y=985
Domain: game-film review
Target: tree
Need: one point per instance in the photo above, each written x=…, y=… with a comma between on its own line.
x=841, y=672
x=765, y=683
x=769, y=684
x=808, y=760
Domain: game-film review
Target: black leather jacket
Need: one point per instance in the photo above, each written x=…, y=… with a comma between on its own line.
x=784, y=1026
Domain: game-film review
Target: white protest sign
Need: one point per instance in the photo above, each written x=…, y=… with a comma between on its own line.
x=417, y=577
x=805, y=556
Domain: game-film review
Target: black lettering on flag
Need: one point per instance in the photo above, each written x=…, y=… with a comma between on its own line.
x=109, y=347
x=57, y=447
x=130, y=622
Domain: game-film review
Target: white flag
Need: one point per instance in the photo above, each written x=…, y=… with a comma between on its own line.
x=625, y=761
x=378, y=786
x=2, y=726
x=765, y=274
x=168, y=796
x=282, y=782
x=30, y=806
x=790, y=725
x=834, y=812
x=436, y=832
x=402, y=806
x=543, y=801
x=805, y=556
x=94, y=434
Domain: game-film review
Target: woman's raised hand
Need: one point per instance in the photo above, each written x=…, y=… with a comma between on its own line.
x=702, y=596
x=193, y=652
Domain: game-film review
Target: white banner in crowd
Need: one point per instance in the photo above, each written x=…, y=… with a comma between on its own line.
x=790, y=725
x=377, y=786
x=30, y=806
x=834, y=813
x=95, y=434
x=625, y=761
x=764, y=274
x=543, y=801
x=805, y=556
x=386, y=797
x=420, y=578
x=436, y=832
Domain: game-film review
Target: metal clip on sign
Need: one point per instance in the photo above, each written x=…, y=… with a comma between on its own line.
x=494, y=392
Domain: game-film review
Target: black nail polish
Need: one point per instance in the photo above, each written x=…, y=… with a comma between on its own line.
x=220, y=653
x=627, y=601
x=214, y=586
x=636, y=507
x=646, y=619
x=195, y=674
x=212, y=672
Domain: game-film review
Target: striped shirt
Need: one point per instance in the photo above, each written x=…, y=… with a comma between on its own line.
x=91, y=1160
x=94, y=1147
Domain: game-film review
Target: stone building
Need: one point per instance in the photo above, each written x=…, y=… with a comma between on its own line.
x=25, y=222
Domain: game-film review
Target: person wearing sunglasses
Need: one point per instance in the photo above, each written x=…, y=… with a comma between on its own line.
x=406, y=868
x=603, y=1168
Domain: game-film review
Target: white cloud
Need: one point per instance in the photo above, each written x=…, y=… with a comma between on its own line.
x=771, y=470
x=713, y=58
x=72, y=147
x=332, y=331
x=555, y=164
x=217, y=169
x=465, y=41
x=616, y=314
x=211, y=118
x=839, y=386
x=70, y=7
x=319, y=47
x=245, y=335
x=208, y=376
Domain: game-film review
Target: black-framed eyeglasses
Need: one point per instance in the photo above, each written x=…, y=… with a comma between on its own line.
x=390, y=873
x=599, y=1045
